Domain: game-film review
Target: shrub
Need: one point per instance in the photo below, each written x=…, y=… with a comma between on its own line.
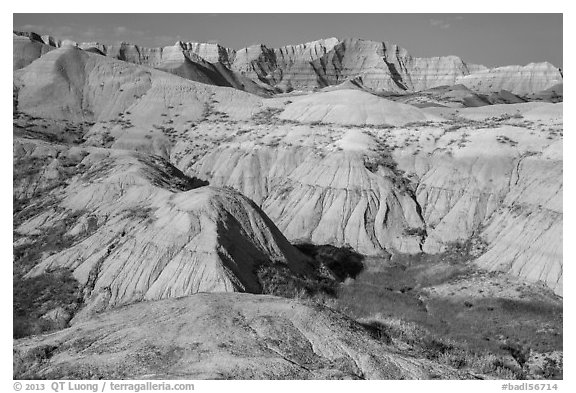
x=552, y=369
x=518, y=352
x=343, y=262
x=277, y=279
x=419, y=232
x=433, y=347
x=377, y=330
x=34, y=297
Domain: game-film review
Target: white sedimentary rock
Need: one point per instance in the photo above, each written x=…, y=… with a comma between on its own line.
x=522, y=80
x=27, y=49
x=321, y=164
x=377, y=66
x=353, y=107
x=154, y=239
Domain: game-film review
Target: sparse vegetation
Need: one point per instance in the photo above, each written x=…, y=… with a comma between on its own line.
x=36, y=296
x=277, y=279
x=329, y=265
x=267, y=116
x=342, y=262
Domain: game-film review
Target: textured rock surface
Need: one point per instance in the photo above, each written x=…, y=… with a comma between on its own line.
x=501, y=182
x=205, y=63
x=287, y=67
x=193, y=61
x=376, y=66
x=522, y=80
x=131, y=103
x=381, y=66
x=26, y=49
x=314, y=183
x=334, y=184
x=219, y=336
x=388, y=67
x=155, y=237
x=456, y=96
x=379, y=175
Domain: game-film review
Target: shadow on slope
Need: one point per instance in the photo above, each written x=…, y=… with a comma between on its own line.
x=441, y=307
x=329, y=266
x=42, y=172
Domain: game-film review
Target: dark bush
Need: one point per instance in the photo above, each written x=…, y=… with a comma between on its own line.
x=343, y=262
x=518, y=352
x=278, y=280
x=377, y=330
x=434, y=348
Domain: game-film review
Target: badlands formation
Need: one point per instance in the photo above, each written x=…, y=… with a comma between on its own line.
x=155, y=174
x=377, y=66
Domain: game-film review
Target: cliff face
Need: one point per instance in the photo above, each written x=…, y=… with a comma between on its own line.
x=381, y=66
x=26, y=49
x=205, y=63
x=387, y=67
x=376, y=66
x=212, y=53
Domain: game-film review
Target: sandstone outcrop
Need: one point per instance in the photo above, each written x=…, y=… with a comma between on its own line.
x=218, y=336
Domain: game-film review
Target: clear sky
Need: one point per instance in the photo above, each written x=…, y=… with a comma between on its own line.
x=489, y=39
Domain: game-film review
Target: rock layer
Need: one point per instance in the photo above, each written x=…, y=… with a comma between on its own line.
x=26, y=49
x=376, y=66
x=521, y=80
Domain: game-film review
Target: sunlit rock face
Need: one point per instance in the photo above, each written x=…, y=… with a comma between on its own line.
x=521, y=80
x=27, y=48
x=376, y=66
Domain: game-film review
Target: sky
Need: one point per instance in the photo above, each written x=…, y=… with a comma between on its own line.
x=489, y=39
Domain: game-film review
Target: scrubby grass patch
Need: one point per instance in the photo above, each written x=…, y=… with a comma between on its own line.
x=278, y=280
x=55, y=131
x=328, y=266
x=420, y=342
x=34, y=297
x=483, y=335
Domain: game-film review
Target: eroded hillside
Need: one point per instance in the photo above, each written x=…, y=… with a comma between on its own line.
x=133, y=185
